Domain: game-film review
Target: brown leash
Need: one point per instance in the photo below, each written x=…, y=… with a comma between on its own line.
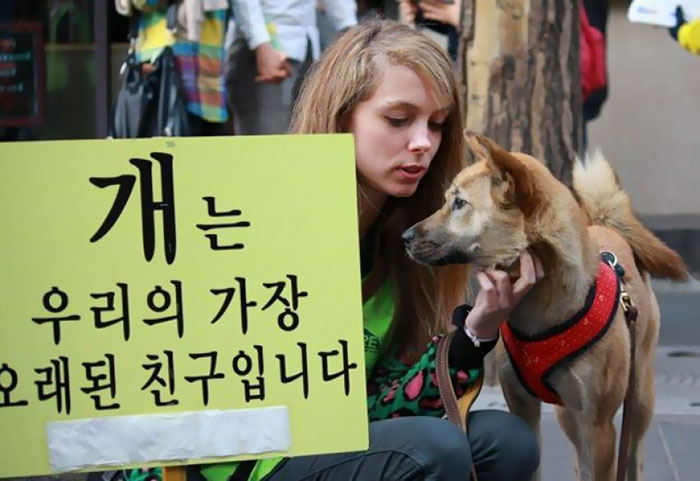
x=456, y=410
x=631, y=320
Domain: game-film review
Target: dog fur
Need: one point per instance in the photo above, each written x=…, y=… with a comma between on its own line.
x=505, y=202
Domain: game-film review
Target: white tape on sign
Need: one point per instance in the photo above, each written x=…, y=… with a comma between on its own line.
x=152, y=438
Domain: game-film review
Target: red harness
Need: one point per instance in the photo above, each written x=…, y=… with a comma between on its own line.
x=535, y=357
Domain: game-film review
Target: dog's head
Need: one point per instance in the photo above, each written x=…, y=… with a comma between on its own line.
x=483, y=219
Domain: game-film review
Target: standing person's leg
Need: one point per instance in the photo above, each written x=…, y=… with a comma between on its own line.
x=411, y=448
x=203, y=128
x=257, y=108
x=503, y=446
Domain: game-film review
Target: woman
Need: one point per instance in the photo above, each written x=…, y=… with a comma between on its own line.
x=394, y=89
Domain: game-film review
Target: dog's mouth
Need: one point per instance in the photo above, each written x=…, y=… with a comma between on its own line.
x=455, y=257
x=432, y=253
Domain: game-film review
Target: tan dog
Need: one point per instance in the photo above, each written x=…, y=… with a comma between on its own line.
x=506, y=202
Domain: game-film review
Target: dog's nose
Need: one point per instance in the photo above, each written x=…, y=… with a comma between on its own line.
x=408, y=236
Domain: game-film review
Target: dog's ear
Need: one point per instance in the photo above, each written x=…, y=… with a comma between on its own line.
x=477, y=149
x=521, y=185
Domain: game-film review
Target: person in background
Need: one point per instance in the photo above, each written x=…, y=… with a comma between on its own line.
x=436, y=15
x=377, y=9
x=593, y=19
x=275, y=42
x=686, y=32
x=198, y=48
x=326, y=30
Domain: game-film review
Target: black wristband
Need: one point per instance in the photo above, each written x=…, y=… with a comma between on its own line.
x=463, y=353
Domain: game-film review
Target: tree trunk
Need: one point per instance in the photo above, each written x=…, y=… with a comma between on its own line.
x=519, y=64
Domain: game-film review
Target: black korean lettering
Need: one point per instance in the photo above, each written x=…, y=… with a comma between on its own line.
x=345, y=371
x=149, y=206
x=159, y=301
x=126, y=185
x=57, y=376
x=156, y=377
x=303, y=374
x=288, y=319
x=109, y=296
x=214, y=243
x=242, y=299
x=102, y=381
x=55, y=301
x=242, y=365
x=207, y=377
x=8, y=383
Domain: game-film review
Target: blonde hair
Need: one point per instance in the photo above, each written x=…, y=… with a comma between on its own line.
x=349, y=73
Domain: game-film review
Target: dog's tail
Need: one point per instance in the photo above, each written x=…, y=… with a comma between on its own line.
x=606, y=204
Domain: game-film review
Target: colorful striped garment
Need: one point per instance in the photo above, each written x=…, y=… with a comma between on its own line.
x=200, y=64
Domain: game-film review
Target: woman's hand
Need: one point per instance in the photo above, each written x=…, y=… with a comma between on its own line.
x=448, y=13
x=499, y=295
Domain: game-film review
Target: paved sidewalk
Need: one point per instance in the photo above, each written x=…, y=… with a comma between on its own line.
x=672, y=452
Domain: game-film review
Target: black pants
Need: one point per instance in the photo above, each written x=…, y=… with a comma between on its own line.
x=501, y=447
x=203, y=128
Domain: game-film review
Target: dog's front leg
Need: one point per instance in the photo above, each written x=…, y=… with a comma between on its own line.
x=521, y=403
x=595, y=449
x=594, y=444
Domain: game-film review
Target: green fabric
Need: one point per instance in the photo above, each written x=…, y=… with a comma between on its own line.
x=400, y=390
x=222, y=471
x=263, y=467
x=217, y=472
x=377, y=314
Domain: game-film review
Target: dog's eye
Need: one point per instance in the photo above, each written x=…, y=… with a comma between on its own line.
x=458, y=203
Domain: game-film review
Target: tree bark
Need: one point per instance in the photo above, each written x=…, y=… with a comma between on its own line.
x=519, y=65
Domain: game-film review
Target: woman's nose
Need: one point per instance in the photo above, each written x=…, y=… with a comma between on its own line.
x=420, y=140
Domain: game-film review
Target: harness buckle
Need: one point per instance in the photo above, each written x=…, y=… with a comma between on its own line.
x=611, y=259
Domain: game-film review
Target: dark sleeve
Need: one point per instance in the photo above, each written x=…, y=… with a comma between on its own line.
x=463, y=353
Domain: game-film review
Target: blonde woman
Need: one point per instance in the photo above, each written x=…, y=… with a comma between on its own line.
x=394, y=89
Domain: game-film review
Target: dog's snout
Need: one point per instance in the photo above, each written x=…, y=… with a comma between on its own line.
x=408, y=236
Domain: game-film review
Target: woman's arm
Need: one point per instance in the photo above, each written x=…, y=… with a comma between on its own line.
x=395, y=389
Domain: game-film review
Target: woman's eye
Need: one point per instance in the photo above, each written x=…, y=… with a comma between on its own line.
x=435, y=126
x=458, y=203
x=397, y=121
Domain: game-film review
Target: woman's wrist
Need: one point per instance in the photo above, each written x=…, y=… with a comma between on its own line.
x=479, y=336
x=479, y=326
x=480, y=329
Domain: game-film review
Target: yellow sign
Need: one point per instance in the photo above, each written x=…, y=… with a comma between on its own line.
x=161, y=276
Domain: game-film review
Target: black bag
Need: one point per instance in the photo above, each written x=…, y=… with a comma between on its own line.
x=150, y=104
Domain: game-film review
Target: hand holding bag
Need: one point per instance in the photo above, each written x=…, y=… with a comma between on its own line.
x=151, y=102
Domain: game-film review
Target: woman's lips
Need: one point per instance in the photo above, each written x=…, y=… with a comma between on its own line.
x=411, y=173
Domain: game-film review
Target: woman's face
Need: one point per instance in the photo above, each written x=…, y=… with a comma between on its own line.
x=397, y=133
